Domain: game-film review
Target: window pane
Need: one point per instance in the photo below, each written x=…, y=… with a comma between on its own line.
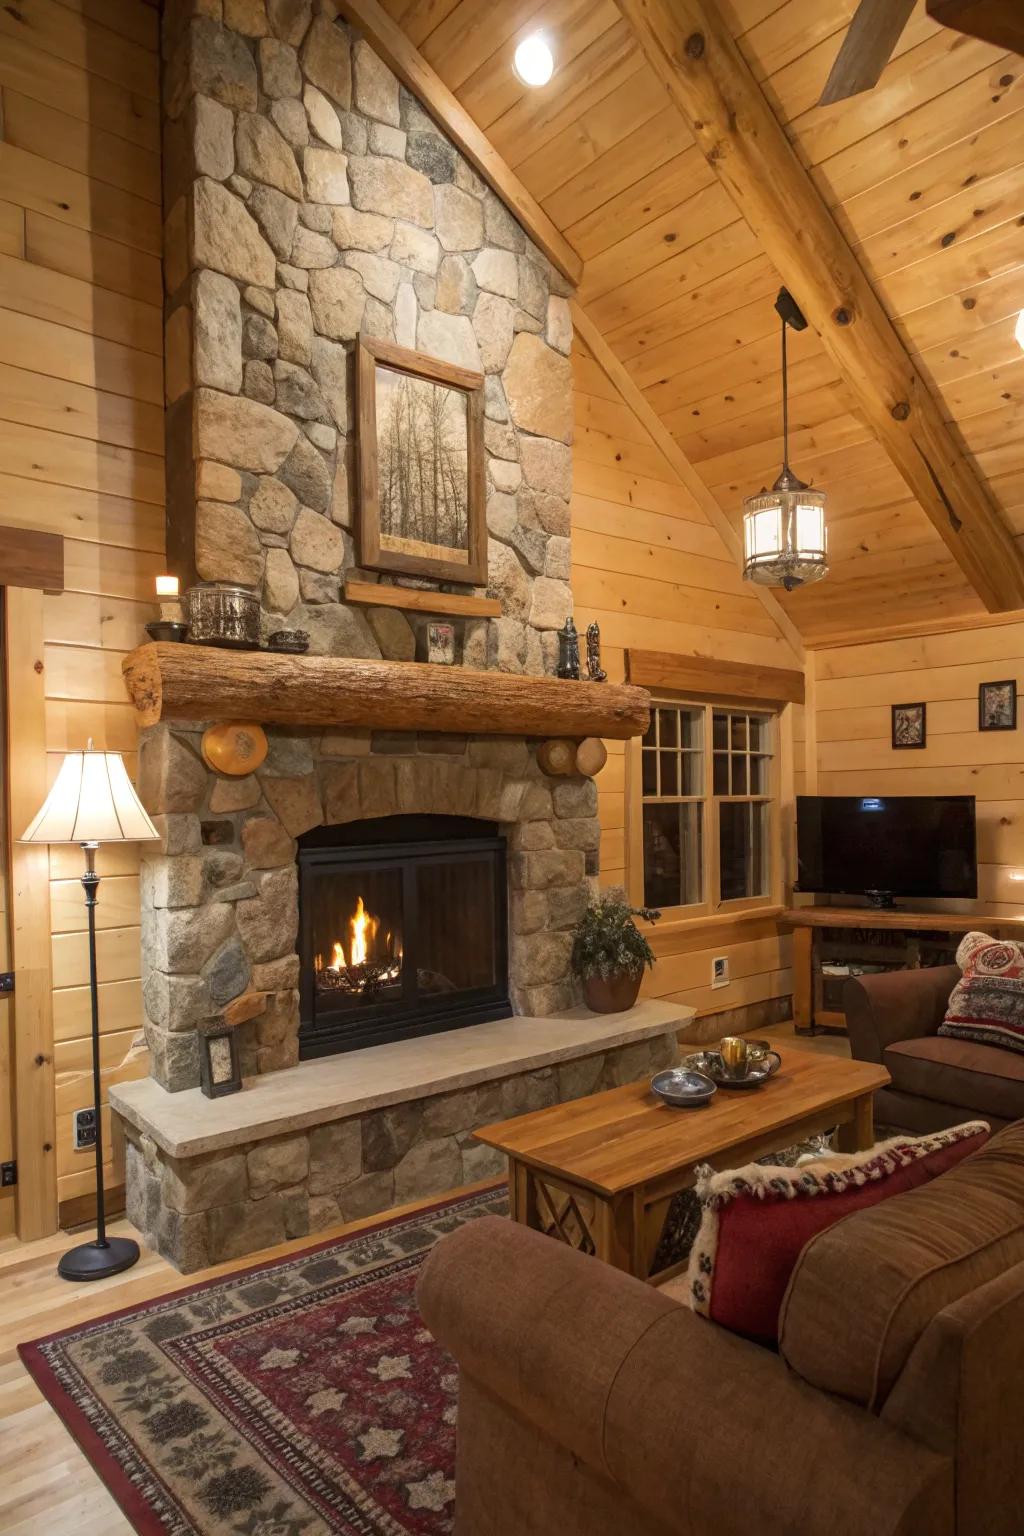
x=649, y=733
x=650, y=773
x=760, y=737
x=739, y=775
x=738, y=733
x=721, y=784
x=692, y=721
x=693, y=773
x=760, y=775
x=668, y=725
x=669, y=773
x=720, y=728
x=743, y=850
x=672, y=855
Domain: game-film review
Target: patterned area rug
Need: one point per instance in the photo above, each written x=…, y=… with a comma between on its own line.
x=301, y=1398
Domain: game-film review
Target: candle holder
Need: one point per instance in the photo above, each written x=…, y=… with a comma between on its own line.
x=167, y=629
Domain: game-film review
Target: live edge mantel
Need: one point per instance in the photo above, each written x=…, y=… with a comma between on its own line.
x=192, y=682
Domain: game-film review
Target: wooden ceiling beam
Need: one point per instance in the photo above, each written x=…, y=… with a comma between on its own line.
x=692, y=51
x=390, y=42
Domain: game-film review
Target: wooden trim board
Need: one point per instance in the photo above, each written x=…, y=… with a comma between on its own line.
x=29, y=558
x=410, y=600
x=391, y=43
x=652, y=423
x=724, y=679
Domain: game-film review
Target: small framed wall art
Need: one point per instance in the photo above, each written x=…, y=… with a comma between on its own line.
x=422, y=486
x=997, y=706
x=219, y=1064
x=909, y=726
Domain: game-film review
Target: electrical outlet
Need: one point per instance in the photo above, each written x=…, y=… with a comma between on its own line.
x=720, y=971
x=83, y=1123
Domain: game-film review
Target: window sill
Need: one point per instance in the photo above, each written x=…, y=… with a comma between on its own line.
x=711, y=920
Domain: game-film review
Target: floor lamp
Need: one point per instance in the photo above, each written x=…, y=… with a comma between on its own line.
x=92, y=801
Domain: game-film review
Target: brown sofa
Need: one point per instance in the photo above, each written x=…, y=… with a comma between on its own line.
x=893, y=1018
x=594, y=1405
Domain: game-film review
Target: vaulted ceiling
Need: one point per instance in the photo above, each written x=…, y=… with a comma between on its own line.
x=924, y=176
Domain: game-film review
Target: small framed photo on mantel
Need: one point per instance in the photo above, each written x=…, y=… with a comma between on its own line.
x=909, y=727
x=422, y=482
x=997, y=706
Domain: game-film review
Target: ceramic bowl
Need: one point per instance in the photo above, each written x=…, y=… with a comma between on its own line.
x=683, y=1088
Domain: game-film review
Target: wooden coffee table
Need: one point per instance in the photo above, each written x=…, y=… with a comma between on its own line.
x=600, y=1173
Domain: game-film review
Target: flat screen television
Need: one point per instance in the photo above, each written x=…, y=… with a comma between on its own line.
x=883, y=846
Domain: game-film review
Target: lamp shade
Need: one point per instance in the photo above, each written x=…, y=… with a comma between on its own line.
x=92, y=801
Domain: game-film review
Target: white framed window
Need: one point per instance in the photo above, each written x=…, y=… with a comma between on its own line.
x=703, y=812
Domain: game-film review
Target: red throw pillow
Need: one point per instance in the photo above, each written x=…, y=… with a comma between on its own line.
x=987, y=1003
x=757, y=1219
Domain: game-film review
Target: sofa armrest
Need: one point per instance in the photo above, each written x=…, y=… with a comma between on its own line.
x=676, y=1413
x=895, y=1005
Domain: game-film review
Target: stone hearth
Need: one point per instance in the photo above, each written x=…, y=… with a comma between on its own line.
x=336, y=1140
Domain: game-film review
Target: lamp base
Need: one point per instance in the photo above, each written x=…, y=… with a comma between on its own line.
x=95, y=1261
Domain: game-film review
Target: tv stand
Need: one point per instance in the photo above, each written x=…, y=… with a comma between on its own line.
x=922, y=930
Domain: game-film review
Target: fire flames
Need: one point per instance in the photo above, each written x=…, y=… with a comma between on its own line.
x=369, y=965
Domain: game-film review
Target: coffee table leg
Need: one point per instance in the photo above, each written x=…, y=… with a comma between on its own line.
x=615, y=1233
x=522, y=1197
x=858, y=1134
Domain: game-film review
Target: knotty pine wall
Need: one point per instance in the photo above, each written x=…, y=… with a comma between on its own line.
x=81, y=439
x=650, y=568
x=854, y=688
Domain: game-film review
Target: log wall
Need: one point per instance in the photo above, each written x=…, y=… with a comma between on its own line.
x=81, y=441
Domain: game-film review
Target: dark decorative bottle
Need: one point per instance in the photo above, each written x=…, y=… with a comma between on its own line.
x=595, y=671
x=568, y=651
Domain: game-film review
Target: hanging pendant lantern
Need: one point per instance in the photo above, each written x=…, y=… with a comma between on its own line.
x=784, y=537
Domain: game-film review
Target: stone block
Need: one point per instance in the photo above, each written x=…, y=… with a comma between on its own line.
x=566, y=907
x=296, y=393
x=280, y=583
x=507, y=478
x=533, y=287
x=279, y=68
x=367, y=1196
x=493, y=323
x=213, y=146
x=324, y=1212
x=393, y=633
x=538, y=387
x=227, y=973
x=374, y=87
x=382, y=185
x=377, y=792
x=184, y=940
x=341, y=793
x=578, y=832
x=277, y=975
x=458, y=218
x=289, y=19
x=199, y=1183
x=220, y=65
x=447, y=1113
x=558, y=559
x=528, y=1091
x=277, y=217
x=323, y=119
x=268, y=925
x=547, y=465
x=497, y=272
x=540, y=958
x=529, y=911
x=574, y=798
x=326, y=175
x=549, y=998
x=335, y=1156
x=273, y=507
x=178, y=833
x=577, y=1079
x=246, y=16
x=500, y=226
x=172, y=882
x=182, y=1240
x=388, y=1134
x=236, y=1230
x=432, y=155
x=415, y=248
x=317, y=542
x=481, y=1162
x=171, y=777
x=327, y=62
x=264, y=155
x=294, y=327
x=276, y=1058
x=305, y=472
x=558, y=330
x=329, y=366
x=242, y=432
x=535, y=835
x=385, y=140
x=277, y=1164
x=289, y=119
x=429, y=1168
x=217, y=482
x=546, y=869
x=227, y=547
x=258, y=382
x=278, y=1024
x=259, y=338
x=356, y=231
x=543, y=510
x=226, y=237
x=295, y=802
x=380, y=276
x=173, y=1058
x=175, y=1003
x=338, y=299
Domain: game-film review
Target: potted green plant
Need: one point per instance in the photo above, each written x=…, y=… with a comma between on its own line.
x=609, y=952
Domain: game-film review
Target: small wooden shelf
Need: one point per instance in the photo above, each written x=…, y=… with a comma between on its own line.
x=412, y=600
x=194, y=682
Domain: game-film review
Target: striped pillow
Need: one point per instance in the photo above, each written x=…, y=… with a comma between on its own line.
x=987, y=1003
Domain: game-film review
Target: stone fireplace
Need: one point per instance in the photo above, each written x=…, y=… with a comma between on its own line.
x=384, y=914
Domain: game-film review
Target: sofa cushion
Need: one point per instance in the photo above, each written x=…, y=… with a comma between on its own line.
x=987, y=1003
x=756, y=1220
x=984, y=1079
x=864, y=1291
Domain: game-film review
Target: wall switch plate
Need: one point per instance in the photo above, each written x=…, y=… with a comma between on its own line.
x=8, y=1174
x=720, y=971
x=83, y=1129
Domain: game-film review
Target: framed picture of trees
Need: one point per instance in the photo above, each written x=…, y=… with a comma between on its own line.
x=422, y=489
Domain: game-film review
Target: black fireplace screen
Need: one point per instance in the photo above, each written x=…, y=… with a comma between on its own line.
x=402, y=931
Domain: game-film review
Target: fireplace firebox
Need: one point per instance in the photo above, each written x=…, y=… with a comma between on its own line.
x=403, y=927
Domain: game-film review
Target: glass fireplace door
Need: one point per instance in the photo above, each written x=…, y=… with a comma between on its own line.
x=400, y=938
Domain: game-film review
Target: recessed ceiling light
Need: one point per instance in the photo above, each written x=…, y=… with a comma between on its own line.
x=1019, y=332
x=534, y=61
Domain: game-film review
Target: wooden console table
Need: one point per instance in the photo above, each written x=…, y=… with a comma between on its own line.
x=806, y=921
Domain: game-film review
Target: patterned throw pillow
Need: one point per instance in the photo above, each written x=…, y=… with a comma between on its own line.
x=757, y=1219
x=987, y=1003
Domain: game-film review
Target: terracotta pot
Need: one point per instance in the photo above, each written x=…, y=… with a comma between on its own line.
x=614, y=995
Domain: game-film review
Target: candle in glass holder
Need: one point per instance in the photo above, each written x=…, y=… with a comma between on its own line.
x=168, y=600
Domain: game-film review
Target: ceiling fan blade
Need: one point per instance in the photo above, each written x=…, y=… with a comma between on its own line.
x=1000, y=22
x=870, y=39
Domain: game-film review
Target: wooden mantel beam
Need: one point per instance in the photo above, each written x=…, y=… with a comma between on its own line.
x=692, y=51
x=387, y=38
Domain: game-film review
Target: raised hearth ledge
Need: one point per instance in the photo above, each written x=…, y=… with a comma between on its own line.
x=187, y=1124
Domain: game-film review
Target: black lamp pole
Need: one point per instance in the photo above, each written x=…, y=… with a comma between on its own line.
x=104, y=1255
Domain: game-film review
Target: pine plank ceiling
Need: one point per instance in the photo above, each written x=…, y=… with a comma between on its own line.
x=925, y=176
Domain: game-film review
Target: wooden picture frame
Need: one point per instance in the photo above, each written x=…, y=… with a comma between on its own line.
x=220, y=1070
x=385, y=550
x=995, y=713
x=909, y=727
